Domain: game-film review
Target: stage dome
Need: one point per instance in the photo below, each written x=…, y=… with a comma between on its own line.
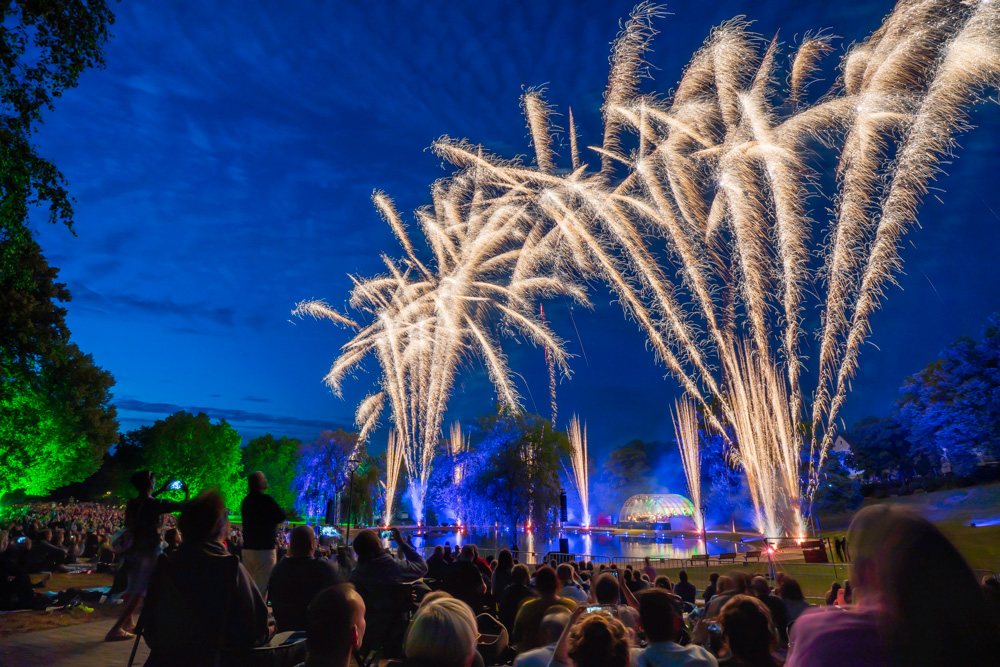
x=654, y=508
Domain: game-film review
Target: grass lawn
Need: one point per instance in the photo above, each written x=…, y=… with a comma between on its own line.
x=953, y=511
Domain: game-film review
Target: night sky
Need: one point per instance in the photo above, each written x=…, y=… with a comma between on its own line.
x=223, y=163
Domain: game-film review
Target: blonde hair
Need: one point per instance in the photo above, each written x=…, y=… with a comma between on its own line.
x=443, y=632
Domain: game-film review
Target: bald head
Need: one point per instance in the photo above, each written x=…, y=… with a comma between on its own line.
x=257, y=482
x=302, y=543
x=335, y=623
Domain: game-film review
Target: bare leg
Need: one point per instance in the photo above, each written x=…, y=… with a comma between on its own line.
x=119, y=631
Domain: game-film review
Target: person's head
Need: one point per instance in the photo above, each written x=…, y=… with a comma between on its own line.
x=302, y=543
x=646, y=560
x=761, y=589
x=834, y=587
x=713, y=578
x=896, y=553
x=505, y=560
x=662, y=582
x=725, y=584
x=468, y=553
x=606, y=589
x=438, y=552
x=547, y=582
x=790, y=590
x=627, y=575
x=747, y=628
x=45, y=535
x=847, y=590
x=565, y=572
x=520, y=575
x=256, y=482
x=660, y=614
x=434, y=595
x=741, y=582
x=335, y=623
x=204, y=518
x=367, y=545
x=172, y=537
x=599, y=641
x=143, y=481
x=442, y=633
x=553, y=624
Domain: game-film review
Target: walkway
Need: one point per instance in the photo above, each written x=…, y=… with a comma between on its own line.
x=80, y=645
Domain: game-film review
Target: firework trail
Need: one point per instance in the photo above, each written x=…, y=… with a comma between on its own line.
x=685, y=418
x=581, y=465
x=393, y=461
x=458, y=444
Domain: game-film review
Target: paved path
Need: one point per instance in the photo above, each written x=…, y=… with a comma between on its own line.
x=79, y=645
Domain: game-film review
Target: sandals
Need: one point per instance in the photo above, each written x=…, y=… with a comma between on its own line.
x=121, y=636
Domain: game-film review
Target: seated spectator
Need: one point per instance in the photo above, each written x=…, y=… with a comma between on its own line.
x=684, y=589
x=45, y=556
x=527, y=625
x=442, y=633
x=516, y=593
x=201, y=598
x=465, y=581
x=553, y=624
x=569, y=588
x=661, y=618
x=298, y=578
x=436, y=564
x=844, y=597
x=795, y=602
x=335, y=626
x=501, y=577
x=663, y=581
x=728, y=586
x=595, y=640
x=172, y=538
x=894, y=621
x=831, y=595
x=779, y=617
x=710, y=590
x=748, y=632
x=377, y=570
x=608, y=593
x=648, y=569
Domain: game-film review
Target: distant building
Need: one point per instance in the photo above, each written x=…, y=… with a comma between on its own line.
x=656, y=511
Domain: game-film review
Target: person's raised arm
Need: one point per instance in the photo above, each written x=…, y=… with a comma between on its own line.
x=414, y=560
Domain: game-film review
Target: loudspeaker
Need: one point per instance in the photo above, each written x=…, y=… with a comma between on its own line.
x=562, y=507
x=330, y=517
x=564, y=545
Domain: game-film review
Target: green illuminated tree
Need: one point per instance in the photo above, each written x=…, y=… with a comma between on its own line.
x=276, y=458
x=192, y=449
x=56, y=420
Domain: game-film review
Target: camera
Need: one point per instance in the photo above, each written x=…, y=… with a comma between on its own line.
x=327, y=531
x=385, y=534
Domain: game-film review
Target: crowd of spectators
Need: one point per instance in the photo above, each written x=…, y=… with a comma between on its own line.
x=202, y=604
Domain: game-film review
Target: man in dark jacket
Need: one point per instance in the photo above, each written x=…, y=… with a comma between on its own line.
x=298, y=578
x=261, y=519
x=684, y=589
x=202, y=604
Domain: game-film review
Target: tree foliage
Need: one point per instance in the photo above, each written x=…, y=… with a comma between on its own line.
x=952, y=407
x=277, y=458
x=628, y=471
x=881, y=448
x=192, y=449
x=322, y=473
x=56, y=420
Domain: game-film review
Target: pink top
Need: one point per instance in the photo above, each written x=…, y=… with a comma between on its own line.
x=834, y=637
x=650, y=572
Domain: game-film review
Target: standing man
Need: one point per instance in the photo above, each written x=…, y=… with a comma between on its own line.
x=261, y=519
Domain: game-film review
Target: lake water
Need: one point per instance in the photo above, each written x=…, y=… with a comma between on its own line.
x=594, y=543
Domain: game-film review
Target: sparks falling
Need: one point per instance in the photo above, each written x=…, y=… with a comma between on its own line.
x=685, y=418
x=393, y=461
x=581, y=465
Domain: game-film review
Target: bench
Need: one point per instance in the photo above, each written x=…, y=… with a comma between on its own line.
x=703, y=560
x=752, y=554
x=729, y=557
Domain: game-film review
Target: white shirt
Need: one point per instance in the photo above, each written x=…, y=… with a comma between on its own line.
x=574, y=593
x=669, y=654
x=538, y=657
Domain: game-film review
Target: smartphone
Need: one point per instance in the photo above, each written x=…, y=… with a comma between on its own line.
x=714, y=626
x=386, y=534
x=327, y=531
x=614, y=573
x=176, y=485
x=603, y=608
x=21, y=539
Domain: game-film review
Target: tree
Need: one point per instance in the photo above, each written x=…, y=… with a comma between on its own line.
x=881, y=449
x=837, y=493
x=514, y=476
x=46, y=45
x=952, y=407
x=627, y=472
x=277, y=459
x=322, y=473
x=56, y=417
x=192, y=449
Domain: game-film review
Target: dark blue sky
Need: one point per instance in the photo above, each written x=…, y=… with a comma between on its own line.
x=222, y=166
